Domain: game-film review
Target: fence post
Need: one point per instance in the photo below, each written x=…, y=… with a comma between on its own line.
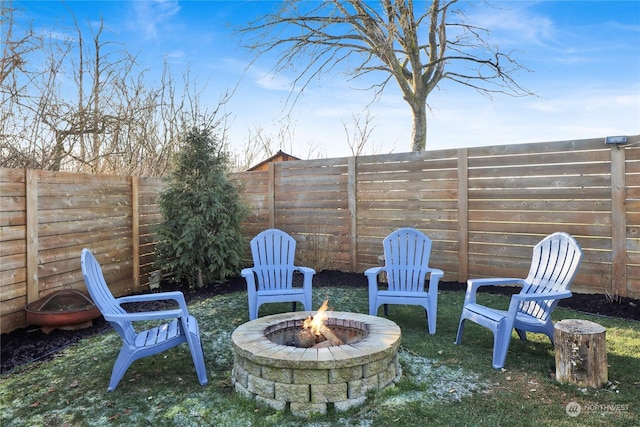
x=618, y=224
x=271, y=195
x=352, y=198
x=463, y=214
x=31, y=189
x=135, y=233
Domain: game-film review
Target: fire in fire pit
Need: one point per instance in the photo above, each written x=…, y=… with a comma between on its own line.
x=271, y=365
x=315, y=333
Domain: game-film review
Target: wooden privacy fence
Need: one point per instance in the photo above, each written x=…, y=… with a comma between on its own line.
x=46, y=218
x=484, y=208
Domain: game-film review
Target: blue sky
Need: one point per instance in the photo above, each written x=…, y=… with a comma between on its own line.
x=584, y=58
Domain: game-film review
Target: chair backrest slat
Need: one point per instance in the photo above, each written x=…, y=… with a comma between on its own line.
x=554, y=265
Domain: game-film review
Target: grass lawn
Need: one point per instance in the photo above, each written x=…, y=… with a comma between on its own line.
x=442, y=383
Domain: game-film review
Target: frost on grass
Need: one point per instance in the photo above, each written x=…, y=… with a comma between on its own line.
x=434, y=382
x=223, y=352
x=361, y=421
x=217, y=322
x=431, y=383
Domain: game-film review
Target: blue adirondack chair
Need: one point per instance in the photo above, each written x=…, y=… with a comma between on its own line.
x=406, y=254
x=135, y=345
x=554, y=265
x=271, y=277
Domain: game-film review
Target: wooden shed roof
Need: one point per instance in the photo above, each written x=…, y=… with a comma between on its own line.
x=280, y=156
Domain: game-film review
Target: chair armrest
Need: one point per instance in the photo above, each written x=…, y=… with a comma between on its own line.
x=372, y=280
x=145, y=315
x=250, y=278
x=435, y=274
x=304, y=270
x=474, y=284
x=496, y=281
x=372, y=276
x=373, y=271
x=517, y=299
x=542, y=297
x=176, y=296
x=307, y=274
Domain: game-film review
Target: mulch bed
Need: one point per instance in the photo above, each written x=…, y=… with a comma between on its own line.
x=30, y=344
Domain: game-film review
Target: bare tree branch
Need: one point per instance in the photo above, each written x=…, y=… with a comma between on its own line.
x=361, y=134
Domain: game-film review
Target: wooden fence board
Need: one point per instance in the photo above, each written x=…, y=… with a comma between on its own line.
x=13, y=248
x=534, y=228
x=536, y=149
x=12, y=290
x=544, y=205
x=555, y=169
x=81, y=202
x=525, y=182
x=12, y=175
x=94, y=225
x=556, y=217
x=10, y=203
x=9, y=233
x=13, y=261
x=50, y=216
x=603, y=193
x=11, y=306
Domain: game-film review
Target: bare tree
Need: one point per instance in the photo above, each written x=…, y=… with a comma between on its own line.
x=89, y=107
x=417, y=48
x=360, y=138
x=261, y=145
x=14, y=48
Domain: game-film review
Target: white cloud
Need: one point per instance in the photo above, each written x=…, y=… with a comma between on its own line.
x=513, y=25
x=149, y=15
x=269, y=81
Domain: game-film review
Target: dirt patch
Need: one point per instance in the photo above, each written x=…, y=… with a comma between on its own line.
x=624, y=308
x=31, y=344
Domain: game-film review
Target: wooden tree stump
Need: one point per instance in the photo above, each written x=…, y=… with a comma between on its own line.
x=382, y=277
x=581, y=353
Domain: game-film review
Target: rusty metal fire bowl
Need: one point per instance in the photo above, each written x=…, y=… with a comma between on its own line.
x=269, y=368
x=65, y=309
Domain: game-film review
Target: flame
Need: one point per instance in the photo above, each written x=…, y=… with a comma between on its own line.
x=316, y=322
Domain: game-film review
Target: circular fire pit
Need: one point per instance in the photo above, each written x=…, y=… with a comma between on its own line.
x=270, y=368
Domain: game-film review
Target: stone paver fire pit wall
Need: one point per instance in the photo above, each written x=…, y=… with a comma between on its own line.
x=306, y=380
